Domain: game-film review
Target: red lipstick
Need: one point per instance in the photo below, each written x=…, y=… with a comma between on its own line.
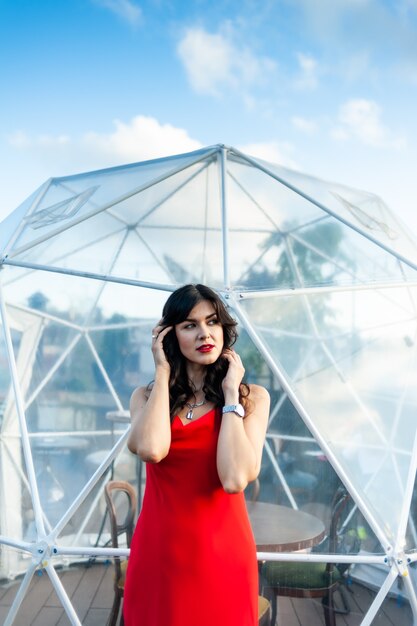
x=207, y=347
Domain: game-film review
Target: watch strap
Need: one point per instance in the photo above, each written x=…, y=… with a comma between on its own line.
x=234, y=408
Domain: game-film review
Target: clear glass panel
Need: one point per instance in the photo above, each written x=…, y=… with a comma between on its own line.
x=47, y=357
x=125, y=354
x=295, y=472
x=136, y=259
x=5, y=379
x=17, y=519
x=362, y=209
x=68, y=423
x=360, y=402
x=184, y=232
x=70, y=380
x=143, y=206
x=331, y=253
x=89, y=526
x=167, y=234
x=68, y=199
x=49, y=295
x=118, y=305
x=11, y=226
x=17, y=516
x=294, y=243
x=89, y=248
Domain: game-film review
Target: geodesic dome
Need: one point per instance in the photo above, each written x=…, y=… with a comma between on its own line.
x=322, y=279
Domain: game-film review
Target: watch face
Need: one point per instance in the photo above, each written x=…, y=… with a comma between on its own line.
x=234, y=408
x=240, y=410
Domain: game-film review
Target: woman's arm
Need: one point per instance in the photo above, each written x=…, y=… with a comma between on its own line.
x=150, y=433
x=240, y=444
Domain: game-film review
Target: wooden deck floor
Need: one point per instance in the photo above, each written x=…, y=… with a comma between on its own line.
x=91, y=591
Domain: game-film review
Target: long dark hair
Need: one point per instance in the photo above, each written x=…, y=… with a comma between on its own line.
x=175, y=311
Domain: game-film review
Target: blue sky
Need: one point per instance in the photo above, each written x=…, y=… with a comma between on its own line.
x=328, y=87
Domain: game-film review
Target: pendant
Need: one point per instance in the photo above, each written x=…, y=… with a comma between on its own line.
x=191, y=407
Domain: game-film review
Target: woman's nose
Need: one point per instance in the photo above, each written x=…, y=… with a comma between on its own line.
x=204, y=332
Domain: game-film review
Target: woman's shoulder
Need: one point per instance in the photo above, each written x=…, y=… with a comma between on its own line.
x=256, y=400
x=141, y=393
x=258, y=392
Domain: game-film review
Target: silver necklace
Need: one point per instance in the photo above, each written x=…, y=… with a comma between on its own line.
x=191, y=407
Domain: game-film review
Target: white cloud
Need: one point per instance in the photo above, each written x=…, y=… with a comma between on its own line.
x=214, y=63
x=139, y=139
x=125, y=9
x=207, y=58
x=305, y=126
x=271, y=151
x=307, y=78
x=361, y=119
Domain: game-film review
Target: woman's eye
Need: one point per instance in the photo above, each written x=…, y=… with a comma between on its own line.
x=213, y=321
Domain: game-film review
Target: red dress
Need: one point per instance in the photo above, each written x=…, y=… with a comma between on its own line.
x=193, y=555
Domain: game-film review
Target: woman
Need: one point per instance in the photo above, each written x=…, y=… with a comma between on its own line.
x=201, y=432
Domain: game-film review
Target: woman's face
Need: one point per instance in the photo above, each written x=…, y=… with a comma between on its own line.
x=200, y=336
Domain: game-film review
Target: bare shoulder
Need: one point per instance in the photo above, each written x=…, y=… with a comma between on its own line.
x=140, y=392
x=139, y=398
x=257, y=402
x=257, y=392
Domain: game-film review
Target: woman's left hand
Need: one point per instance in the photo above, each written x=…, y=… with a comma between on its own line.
x=235, y=372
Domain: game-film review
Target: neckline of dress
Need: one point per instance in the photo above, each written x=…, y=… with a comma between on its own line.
x=187, y=424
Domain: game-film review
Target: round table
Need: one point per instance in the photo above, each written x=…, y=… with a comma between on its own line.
x=279, y=528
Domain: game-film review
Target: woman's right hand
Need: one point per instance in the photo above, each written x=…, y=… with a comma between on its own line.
x=158, y=334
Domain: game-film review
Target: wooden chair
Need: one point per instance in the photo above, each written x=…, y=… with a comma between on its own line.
x=121, y=503
x=264, y=611
x=308, y=580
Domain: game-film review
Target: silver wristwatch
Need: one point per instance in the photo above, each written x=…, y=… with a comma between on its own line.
x=234, y=408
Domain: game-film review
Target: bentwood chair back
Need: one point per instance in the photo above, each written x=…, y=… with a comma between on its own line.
x=121, y=504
